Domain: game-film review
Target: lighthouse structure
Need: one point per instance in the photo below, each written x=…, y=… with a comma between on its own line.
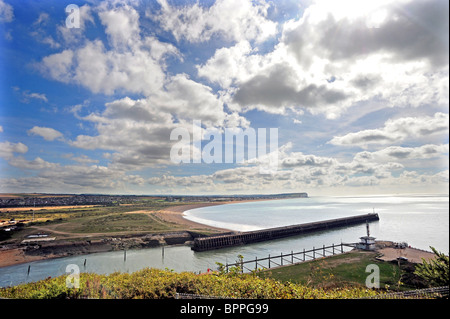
x=367, y=242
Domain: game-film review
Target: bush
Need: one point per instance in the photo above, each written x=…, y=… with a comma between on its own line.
x=435, y=271
x=152, y=283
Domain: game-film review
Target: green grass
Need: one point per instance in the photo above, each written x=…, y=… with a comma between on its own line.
x=117, y=222
x=342, y=270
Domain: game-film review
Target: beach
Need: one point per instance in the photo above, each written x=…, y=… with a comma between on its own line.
x=175, y=215
x=15, y=256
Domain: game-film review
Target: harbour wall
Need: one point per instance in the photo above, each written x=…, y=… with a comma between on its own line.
x=243, y=238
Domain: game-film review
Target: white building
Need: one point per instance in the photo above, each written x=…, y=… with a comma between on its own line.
x=367, y=242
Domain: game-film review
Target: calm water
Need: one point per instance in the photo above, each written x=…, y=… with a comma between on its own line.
x=422, y=221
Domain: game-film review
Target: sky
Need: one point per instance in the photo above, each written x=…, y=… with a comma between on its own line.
x=91, y=99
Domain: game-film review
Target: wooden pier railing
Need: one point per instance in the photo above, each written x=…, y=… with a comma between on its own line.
x=287, y=258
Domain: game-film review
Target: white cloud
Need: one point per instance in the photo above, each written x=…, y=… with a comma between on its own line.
x=49, y=134
x=397, y=130
x=133, y=64
x=51, y=42
x=346, y=178
x=102, y=71
x=6, y=12
x=189, y=100
x=135, y=129
x=26, y=95
x=83, y=159
x=52, y=177
x=39, y=33
x=371, y=172
x=72, y=37
x=327, y=62
x=295, y=159
x=229, y=65
x=409, y=30
x=121, y=25
x=187, y=181
x=425, y=183
x=38, y=96
x=234, y=20
x=138, y=131
x=58, y=66
x=279, y=88
x=42, y=19
x=84, y=176
x=7, y=149
x=36, y=164
x=86, y=16
x=70, y=178
x=399, y=153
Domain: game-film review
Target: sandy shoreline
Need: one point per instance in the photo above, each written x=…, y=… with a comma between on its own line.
x=175, y=215
x=16, y=256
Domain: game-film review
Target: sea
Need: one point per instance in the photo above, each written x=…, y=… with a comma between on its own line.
x=419, y=220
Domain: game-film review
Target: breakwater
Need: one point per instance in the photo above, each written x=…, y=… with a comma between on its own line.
x=242, y=238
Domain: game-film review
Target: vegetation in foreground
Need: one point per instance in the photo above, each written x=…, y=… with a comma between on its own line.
x=435, y=271
x=153, y=283
x=288, y=283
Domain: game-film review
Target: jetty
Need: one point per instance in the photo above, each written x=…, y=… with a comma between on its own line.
x=243, y=238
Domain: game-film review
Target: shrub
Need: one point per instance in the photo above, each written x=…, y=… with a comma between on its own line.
x=151, y=283
x=435, y=271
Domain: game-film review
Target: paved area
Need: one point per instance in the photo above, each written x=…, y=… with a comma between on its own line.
x=413, y=255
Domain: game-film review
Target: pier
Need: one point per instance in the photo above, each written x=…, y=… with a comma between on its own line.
x=243, y=238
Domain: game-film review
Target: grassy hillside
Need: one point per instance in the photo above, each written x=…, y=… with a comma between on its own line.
x=348, y=269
